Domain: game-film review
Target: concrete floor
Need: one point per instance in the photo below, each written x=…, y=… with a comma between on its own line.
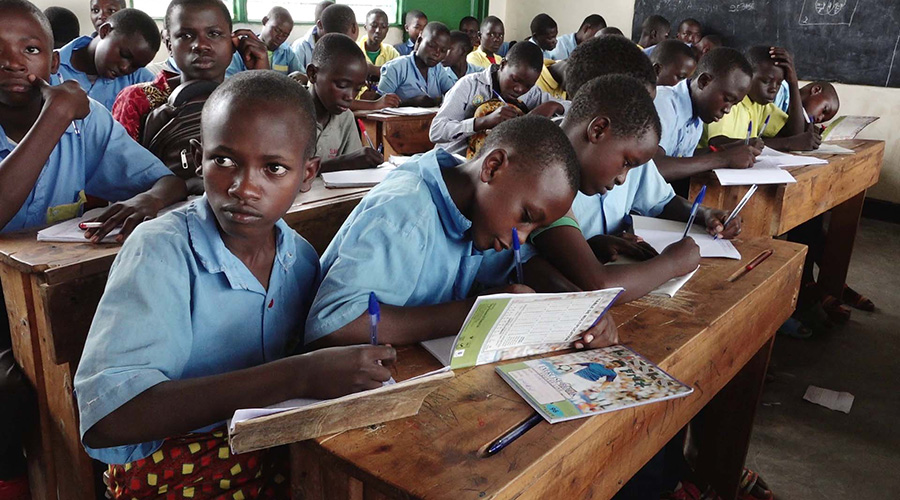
x=805, y=451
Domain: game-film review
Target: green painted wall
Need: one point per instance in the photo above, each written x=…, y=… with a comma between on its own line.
x=448, y=12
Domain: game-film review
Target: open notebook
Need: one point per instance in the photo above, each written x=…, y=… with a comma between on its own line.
x=669, y=288
x=660, y=233
x=69, y=232
x=767, y=169
x=367, y=177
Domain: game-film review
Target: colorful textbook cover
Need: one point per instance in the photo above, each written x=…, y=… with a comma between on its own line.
x=591, y=382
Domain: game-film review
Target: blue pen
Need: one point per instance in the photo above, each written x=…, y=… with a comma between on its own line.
x=749, y=131
x=499, y=96
x=374, y=318
x=514, y=434
x=694, y=209
x=518, y=254
x=765, y=124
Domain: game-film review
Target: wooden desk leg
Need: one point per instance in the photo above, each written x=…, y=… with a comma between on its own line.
x=839, y=244
x=721, y=431
x=317, y=476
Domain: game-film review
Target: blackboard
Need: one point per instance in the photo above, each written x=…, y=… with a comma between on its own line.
x=848, y=41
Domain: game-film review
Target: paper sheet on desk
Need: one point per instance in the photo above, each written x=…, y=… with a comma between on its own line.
x=755, y=175
x=660, y=233
x=669, y=288
x=827, y=148
x=369, y=177
x=771, y=158
x=69, y=232
x=409, y=111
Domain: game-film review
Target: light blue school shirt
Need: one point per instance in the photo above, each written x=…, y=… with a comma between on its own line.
x=406, y=241
x=783, y=98
x=102, y=161
x=102, y=90
x=303, y=49
x=405, y=48
x=649, y=50
x=282, y=60
x=178, y=305
x=681, y=129
x=644, y=192
x=401, y=76
x=503, y=50
x=565, y=44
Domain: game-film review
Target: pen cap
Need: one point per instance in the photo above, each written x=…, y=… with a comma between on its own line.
x=515, y=242
x=362, y=127
x=374, y=308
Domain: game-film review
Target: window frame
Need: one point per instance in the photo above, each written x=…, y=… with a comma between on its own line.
x=239, y=7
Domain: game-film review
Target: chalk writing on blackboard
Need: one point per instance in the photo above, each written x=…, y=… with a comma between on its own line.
x=828, y=12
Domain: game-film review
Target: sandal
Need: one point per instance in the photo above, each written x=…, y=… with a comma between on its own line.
x=794, y=328
x=836, y=311
x=687, y=490
x=752, y=487
x=854, y=299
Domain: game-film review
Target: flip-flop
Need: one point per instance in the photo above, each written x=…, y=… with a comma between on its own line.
x=794, y=328
x=836, y=311
x=752, y=487
x=856, y=300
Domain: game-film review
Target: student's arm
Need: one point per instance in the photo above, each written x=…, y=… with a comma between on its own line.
x=20, y=170
x=385, y=101
x=673, y=169
x=679, y=209
x=176, y=407
x=724, y=142
x=363, y=158
x=796, y=123
x=145, y=206
x=566, y=249
x=252, y=50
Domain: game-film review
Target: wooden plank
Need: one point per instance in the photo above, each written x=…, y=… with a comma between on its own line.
x=408, y=137
x=839, y=244
x=70, y=308
x=704, y=343
x=349, y=412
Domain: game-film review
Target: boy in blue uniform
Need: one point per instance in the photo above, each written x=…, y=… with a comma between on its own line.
x=820, y=100
x=334, y=19
x=565, y=44
x=205, y=305
x=277, y=27
x=113, y=59
x=416, y=20
x=418, y=78
x=544, y=32
x=418, y=239
x=721, y=81
x=654, y=29
x=455, y=60
x=673, y=62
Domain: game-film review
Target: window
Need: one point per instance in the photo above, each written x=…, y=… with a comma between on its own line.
x=157, y=9
x=303, y=11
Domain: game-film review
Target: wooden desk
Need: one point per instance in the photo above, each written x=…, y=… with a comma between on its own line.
x=713, y=335
x=775, y=209
x=400, y=135
x=52, y=291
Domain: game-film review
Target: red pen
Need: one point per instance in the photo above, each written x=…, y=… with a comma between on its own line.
x=365, y=134
x=713, y=148
x=89, y=225
x=753, y=263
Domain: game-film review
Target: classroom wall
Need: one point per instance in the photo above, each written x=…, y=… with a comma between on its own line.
x=855, y=99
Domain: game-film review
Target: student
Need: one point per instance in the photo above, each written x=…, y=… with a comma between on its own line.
x=340, y=19
x=303, y=46
x=205, y=305
x=198, y=34
x=419, y=238
x=408, y=76
x=721, y=81
x=610, y=31
x=416, y=20
x=107, y=63
x=567, y=43
x=65, y=146
x=65, y=25
x=102, y=10
x=706, y=44
x=820, y=100
x=491, y=32
x=337, y=72
x=673, y=62
x=543, y=33
x=377, y=52
x=783, y=131
x=512, y=79
x=689, y=31
x=455, y=61
x=277, y=27
x=654, y=29
x=470, y=26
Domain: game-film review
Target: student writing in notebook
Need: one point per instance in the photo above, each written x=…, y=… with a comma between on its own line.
x=568, y=42
x=418, y=78
x=113, y=59
x=673, y=62
x=205, y=305
x=337, y=72
x=721, y=81
x=783, y=131
x=419, y=239
x=277, y=27
x=512, y=80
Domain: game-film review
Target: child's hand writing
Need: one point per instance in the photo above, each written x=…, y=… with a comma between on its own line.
x=807, y=141
x=67, y=99
x=608, y=248
x=337, y=371
x=603, y=334
x=548, y=109
x=365, y=158
x=742, y=156
x=253, y=51
x=715, y=220
x=388, y=101
x=683, y=255
x=128, y=214
x=500, y=115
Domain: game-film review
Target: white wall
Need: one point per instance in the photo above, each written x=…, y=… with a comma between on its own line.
x=855, y=99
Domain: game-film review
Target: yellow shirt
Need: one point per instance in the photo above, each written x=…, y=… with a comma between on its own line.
x=548, y=84
x=734, y=124
x=388, y=52
x=479, y=58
